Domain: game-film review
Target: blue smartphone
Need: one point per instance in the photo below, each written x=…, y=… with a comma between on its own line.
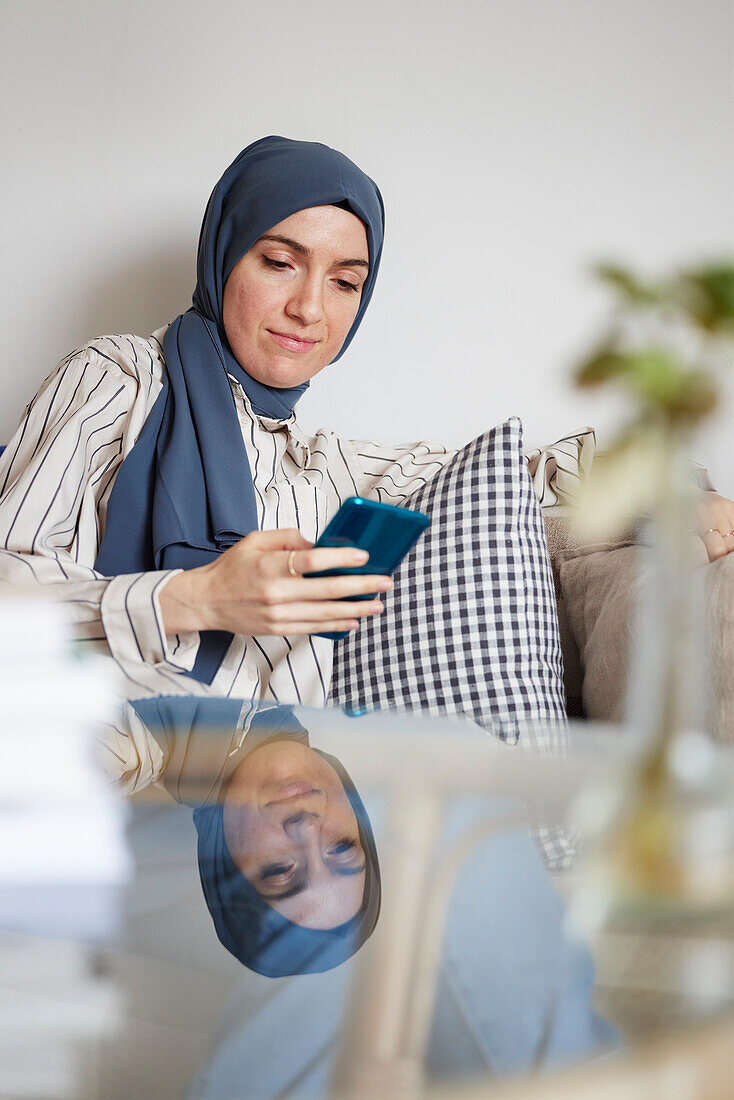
x=385, y=531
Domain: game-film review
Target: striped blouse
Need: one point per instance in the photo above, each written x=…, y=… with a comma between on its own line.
x=56, y=476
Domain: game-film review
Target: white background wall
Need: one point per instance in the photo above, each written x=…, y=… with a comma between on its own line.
x=515, y=141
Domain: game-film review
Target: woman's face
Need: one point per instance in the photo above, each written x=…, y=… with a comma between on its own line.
x=293, y=834
x=291, y=300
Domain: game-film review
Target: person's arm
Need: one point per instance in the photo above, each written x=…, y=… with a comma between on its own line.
x=714, y=521
x=714, y=525
x=557, y=469
x=257, y=587
x=55, y=477
x=128, y=753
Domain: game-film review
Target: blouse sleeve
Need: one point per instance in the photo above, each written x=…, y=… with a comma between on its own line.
x=392, y=473
x=558, y=468
x=55, y=477
x=128, y=753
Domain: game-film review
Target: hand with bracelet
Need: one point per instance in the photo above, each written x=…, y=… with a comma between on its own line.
x=256, y=587
x=714, y=527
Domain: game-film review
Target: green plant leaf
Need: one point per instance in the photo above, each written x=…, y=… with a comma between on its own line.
x=603, y=366
x=708, y=296
x=627, y=285
x=657, y=378
x=666, y=383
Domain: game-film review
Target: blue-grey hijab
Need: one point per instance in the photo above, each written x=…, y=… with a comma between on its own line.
x=184, y=494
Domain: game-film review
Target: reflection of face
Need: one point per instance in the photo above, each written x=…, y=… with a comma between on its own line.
x=293, y=834
x=290, y=302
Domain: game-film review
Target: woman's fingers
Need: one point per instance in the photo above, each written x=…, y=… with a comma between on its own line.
x=331, y=611
x=284, y=538
x=300, y=553
x=251, y=590
x=716, y=525
x=716, y=544
x=337, y=588
x=341, y=557
x=334, y=626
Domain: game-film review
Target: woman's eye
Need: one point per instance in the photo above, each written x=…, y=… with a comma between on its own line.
x=276, y=870
x=342, y=847
x=344, y=284
x=278, y=264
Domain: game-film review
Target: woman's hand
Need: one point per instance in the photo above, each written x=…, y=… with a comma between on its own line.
x=715, y=526
x=250, y=590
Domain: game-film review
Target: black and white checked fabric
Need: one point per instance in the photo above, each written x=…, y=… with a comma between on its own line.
x=471, y=625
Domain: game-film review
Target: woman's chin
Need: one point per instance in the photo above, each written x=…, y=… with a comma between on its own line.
x=283, y=375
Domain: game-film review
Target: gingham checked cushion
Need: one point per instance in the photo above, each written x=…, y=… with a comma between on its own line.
x=471, y=625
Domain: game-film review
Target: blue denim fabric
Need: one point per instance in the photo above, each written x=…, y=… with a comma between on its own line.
x=514, y=990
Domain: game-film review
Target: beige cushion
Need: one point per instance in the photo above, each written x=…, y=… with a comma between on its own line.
x=563, y=538
x=559, y=535
x=600, y=587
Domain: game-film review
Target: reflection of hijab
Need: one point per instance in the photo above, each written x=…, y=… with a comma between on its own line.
x=185, y=494
x=193, y=734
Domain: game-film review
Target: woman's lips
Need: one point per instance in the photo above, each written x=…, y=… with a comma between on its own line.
x=292, y=343
x=293, y=790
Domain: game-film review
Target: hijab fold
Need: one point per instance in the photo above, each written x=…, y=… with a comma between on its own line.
x=185, y=492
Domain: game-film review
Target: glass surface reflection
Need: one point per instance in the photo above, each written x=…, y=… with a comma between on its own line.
x=248, y=959
x=286, y=853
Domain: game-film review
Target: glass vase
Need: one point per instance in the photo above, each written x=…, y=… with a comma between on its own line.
x=659, y=829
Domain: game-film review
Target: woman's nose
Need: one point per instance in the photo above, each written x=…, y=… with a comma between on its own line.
x=302, y=823
x=306, y=302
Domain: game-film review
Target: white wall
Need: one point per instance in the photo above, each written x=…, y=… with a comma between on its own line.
x=514, y=142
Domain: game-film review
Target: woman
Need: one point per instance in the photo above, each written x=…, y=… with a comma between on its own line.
x=216, y=478
x=162, y=489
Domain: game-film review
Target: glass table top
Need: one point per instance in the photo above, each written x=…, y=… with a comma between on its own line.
x=213, y=899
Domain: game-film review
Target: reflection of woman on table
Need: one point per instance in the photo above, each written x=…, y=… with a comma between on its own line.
x=286, y=855
x=514, y=990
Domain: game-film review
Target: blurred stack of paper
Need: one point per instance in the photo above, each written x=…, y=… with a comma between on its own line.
x=56, y=1013
x=63, y=860
x=62, y=851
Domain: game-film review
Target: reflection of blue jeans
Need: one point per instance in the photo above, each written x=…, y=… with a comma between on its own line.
x=513, y=991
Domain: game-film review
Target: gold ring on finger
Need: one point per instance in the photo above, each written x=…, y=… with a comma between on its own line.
x=291, y=568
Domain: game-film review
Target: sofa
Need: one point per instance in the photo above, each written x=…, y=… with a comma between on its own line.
x=597, y=592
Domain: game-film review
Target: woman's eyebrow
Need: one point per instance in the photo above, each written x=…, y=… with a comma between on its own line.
x=305, y=251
